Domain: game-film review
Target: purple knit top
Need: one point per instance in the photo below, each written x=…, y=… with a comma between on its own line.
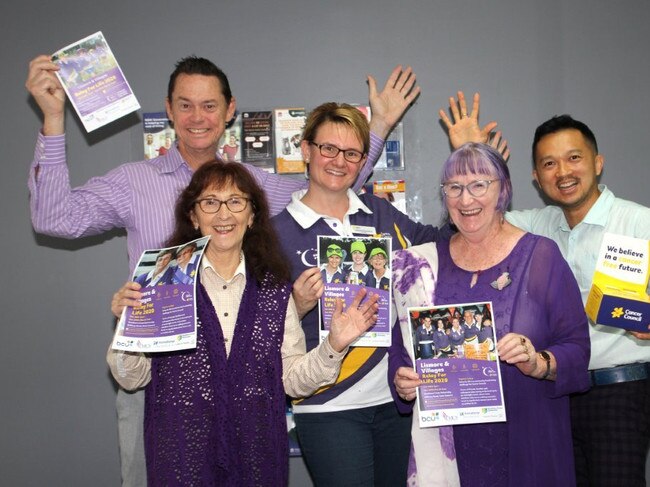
x=217, y=420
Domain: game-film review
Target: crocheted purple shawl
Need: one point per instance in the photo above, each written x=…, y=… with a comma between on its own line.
x=217, y=420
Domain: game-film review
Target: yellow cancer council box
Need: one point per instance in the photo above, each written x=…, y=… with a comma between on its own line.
x=619, y=293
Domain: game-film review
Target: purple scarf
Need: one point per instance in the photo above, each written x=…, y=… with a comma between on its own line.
x=217, y=420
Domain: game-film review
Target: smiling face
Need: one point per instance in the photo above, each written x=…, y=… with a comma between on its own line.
x=199, y=112
x=378, y=262
x=567, y=169
x=475, y=217
x=162, y=261
x=184, y=256
x=332, y=175
x=358, y=258
x=226, y=228
x=333, y=262
x=468, y=317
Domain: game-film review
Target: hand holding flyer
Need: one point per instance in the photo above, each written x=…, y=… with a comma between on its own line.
x=457, y=364
x=165, y=318
x=94, y=82
x=347, y=265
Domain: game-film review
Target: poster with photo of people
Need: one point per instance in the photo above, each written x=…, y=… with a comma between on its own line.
x=166, y=319
x=94, y=82
x=456, y=358
x=348, y=264
x=158, y=133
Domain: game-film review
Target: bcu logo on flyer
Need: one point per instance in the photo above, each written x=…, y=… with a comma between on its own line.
x=430, y=417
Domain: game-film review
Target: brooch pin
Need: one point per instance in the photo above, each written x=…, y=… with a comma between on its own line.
x=502, y=281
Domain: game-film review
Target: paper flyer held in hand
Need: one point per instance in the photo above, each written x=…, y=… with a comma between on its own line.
x=166, y=319
x=94, y=82
x=455, y=356
x=619, y=293
x=347, y=264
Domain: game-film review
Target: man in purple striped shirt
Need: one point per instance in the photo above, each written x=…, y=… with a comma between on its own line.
x=140, y=196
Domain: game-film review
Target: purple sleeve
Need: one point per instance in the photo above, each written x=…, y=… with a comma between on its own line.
x=398, y=357
x=569, y=328
x=278, y=189
x=57, y=209
x=409, y=232
x=376, y=148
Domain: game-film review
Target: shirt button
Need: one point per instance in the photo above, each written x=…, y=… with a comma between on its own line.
x=334, y=224
x=225, y=287
x=225, y=314
x=225, y=339
x=331, y=356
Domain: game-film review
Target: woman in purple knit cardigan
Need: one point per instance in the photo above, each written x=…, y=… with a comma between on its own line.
x=215, y=415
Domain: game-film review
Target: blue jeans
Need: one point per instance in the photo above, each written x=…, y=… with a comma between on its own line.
x=359, y=447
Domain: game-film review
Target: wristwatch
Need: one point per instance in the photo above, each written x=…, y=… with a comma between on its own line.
x=547, y=358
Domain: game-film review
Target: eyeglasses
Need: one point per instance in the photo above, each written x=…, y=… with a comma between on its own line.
x=475, y=188
x=236, y=204
x=331, y=151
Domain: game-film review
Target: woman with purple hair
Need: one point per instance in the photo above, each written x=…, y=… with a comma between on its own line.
x=541, y=329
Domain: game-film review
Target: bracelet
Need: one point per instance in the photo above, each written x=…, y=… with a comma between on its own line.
x=547, y=358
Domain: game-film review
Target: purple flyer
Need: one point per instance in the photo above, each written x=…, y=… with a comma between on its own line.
x=166, y=317
x=348, y=264
x=94, y=82
x=455, y=356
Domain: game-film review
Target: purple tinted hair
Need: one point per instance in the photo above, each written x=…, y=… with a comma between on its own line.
x=480, y=159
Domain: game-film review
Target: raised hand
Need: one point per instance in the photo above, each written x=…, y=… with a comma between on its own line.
x=500, y=145
x=46, y=89
x=464, y=127
x=388, y=106
x=348, y=325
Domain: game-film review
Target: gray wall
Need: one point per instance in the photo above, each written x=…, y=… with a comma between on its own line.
x=529, y=59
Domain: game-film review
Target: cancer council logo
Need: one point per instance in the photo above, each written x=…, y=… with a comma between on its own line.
x=617, y=313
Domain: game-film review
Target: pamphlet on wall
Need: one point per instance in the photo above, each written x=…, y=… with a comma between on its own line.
x=456, y=359
x=393, y=156
x=392, y=190
x=94, y=82
x=159, y=135
x=288, y=123
x=347, y=264
x=257, y=139
x=230, y=142
x=166, y=319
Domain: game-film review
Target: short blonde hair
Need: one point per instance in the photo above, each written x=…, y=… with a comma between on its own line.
x=338, y=113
